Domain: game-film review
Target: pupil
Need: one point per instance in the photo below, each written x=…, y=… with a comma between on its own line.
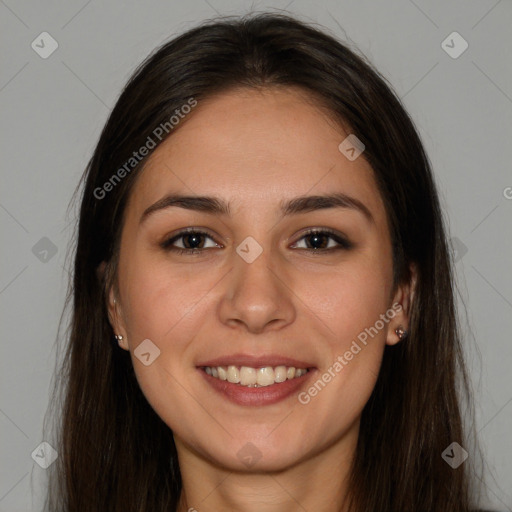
x=193, y=241
x=317, y=241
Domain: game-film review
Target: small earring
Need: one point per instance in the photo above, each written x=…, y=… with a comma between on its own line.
x=118, y=337
x=401, y=332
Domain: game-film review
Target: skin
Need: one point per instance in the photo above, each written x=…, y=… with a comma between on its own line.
x=253, y=149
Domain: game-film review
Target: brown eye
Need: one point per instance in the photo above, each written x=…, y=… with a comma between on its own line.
x=188, y=241
x=193, y=240
x=323, y=240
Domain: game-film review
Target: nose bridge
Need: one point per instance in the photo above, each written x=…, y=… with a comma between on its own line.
x=256, y=294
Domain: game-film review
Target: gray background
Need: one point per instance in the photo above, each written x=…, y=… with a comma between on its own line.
x=53, y=110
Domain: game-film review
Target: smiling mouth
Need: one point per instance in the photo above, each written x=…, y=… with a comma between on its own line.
x=255, y=377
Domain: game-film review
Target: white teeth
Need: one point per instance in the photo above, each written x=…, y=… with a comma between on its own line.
x=280, y=373
x=255, y=377
x=265, y=376
x=247, y=376
x=233, y=374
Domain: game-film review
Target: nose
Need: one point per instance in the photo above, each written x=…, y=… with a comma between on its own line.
x=257, y=296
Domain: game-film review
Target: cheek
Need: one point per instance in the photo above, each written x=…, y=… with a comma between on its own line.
x=347, y=300
x=353, y=354
x=162, y=305
x=159, y=299
x=348, y=304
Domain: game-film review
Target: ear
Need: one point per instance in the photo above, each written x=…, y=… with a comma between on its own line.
x=401, y=305
x=114, y=310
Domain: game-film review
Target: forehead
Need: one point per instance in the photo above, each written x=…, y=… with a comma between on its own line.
x=255, y=148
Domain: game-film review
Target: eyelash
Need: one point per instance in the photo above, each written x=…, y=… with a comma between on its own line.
x=343, y=242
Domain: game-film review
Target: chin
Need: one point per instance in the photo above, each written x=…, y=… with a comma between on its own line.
x=258, y=455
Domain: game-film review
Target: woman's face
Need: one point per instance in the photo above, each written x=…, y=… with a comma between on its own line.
x=256, y=290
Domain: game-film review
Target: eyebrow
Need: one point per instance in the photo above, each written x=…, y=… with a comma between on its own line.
x=297, y=205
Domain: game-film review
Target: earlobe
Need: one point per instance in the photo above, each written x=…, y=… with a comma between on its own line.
x=403, y=299
x=401, y=332
x=114, y=316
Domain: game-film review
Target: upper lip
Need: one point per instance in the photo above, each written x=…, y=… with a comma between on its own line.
x=255, y=361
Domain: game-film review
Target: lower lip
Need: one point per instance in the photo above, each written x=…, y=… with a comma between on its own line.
x=264, y=395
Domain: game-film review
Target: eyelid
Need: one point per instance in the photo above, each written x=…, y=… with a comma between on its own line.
x=170, y=239
x=339, y=238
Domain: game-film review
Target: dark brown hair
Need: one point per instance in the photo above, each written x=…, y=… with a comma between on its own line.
x=115, y=453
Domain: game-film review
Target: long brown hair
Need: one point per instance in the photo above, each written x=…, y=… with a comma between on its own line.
x=115, y=453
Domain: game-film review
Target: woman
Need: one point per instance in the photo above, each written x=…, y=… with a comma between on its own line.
x=263, y=311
